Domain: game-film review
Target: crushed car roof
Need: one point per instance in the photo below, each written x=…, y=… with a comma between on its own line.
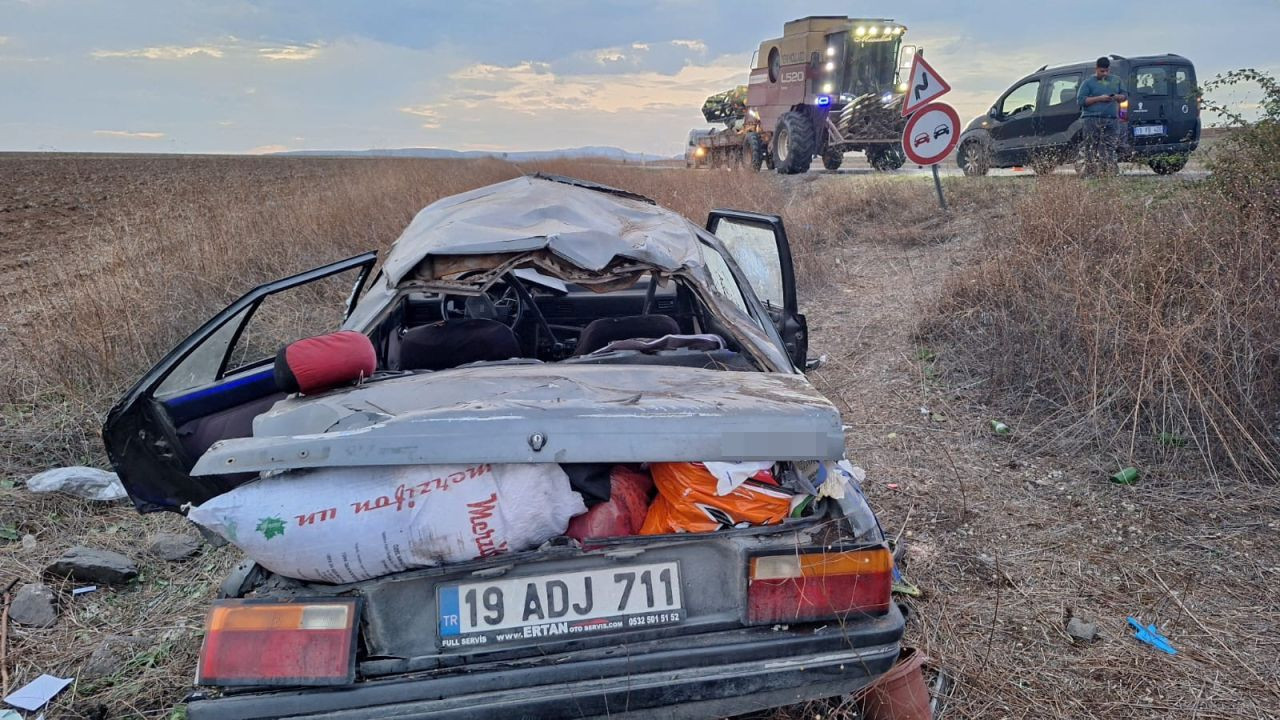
x=587, y=225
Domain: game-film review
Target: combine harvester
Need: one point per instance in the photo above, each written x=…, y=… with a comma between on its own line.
x=827, y=86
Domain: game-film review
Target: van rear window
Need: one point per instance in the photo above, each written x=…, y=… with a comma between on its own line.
x=1161, y=80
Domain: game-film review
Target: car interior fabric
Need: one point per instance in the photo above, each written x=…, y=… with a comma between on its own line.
x=318, y=363
x=451, y=343
x=602, y=331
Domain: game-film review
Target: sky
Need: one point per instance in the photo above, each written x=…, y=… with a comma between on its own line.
x=253, y=76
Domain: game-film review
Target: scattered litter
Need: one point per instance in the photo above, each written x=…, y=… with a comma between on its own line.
x=1151, y=636
x=1000, y=428
x=842, y=482
x=1169, y=439
x=902, y=587
x=83, y=590
x=1127, y=476
x=29, y=542
x=10, y=715
x=86, y=482
x=346, y=524
x=891, y=436
x=937, y=417
x=36, y=693
x=892, y=486
x=940, y=691
x=687, y=502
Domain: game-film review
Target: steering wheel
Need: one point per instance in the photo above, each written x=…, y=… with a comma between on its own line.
x=500, y=302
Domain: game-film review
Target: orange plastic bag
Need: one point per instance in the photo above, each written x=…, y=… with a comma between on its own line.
x=687, y=502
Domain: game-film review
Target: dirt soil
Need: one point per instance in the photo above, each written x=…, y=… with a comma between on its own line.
x=1005, y=539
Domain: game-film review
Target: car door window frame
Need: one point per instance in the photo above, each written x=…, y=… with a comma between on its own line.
x=241, y=311
x=1049, y=91
x=1035, y=100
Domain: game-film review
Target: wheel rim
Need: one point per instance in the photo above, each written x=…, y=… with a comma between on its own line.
x=781, y=151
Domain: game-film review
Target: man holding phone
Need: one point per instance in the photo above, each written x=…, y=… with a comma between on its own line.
x=1100, y=97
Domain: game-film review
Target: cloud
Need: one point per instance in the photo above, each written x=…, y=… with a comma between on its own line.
x=291, y=53
x=267, y=149
x=134, y=134
x=162, y=52
x=4, y=39
x=430, y=115
x=697, y=45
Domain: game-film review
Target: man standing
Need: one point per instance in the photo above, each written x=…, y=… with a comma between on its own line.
x=1100, y=97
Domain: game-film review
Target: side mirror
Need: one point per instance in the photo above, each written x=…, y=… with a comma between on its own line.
x=993, y=113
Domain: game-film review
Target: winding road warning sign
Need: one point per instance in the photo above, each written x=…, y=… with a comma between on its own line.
x=931, y=133
x=924, y=85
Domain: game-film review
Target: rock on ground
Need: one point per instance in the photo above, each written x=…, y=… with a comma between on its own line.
x=93, y=566
x=110, y=656
x=173, y=547
x=1081, y=630
x=35, y=605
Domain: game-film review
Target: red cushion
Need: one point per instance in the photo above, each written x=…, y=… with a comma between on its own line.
x=324, y=361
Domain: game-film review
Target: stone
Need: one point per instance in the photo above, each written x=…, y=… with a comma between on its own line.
x=93, y=566
x=34, y=605
x=110, y=656
x=173, y=547
x=1081, y=630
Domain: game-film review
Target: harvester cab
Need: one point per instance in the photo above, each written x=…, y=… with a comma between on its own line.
x=830, y=85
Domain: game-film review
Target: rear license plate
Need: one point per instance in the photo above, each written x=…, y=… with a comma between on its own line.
x=1147, y=130
x=562, y=606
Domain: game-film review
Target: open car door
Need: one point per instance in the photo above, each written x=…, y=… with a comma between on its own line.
x=212, y=385
x=759, y=246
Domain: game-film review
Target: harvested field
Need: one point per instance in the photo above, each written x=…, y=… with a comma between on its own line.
x=108, y=261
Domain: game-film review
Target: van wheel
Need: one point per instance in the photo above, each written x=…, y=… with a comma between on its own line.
x=832, y=159
x=973, y=159
x=1168, y=164
x=793, y=144
x=753, y=146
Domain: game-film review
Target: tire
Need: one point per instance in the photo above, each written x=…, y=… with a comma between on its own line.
x=886, y=157
x=753, y=146
x=1168, y=164
x=973, y=159
x=793, y=143
x=832, y=159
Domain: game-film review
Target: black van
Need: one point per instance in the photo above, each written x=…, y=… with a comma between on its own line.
x=1036, y=122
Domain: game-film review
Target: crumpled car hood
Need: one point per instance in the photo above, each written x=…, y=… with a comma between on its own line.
x=542, y=413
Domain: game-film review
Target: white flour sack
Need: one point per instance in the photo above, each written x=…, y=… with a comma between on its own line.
x=346, y=524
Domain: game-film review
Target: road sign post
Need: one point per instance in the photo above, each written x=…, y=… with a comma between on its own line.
x=933, y=128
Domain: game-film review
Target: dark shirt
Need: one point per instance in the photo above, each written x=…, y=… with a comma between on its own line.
x=1093, y=86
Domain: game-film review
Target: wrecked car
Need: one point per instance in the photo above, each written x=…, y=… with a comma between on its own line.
x=546, y=336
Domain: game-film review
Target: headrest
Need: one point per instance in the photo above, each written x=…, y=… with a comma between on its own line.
x=318, y=363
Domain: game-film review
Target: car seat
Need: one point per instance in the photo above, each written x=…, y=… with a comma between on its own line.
x=602, y=331
x=451, y=343
x=1066, y=95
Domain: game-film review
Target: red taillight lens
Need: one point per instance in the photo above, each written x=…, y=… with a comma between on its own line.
x=818, y=585
x=256, y=642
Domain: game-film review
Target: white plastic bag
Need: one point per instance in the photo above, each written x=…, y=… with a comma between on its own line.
x=346, y=524
x=86, y=482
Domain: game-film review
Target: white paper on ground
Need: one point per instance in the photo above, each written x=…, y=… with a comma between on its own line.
x=346, y=524
x=86, y=482
x=730, y=475
x=36, y=693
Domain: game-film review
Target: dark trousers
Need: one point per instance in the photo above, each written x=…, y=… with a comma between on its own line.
x=1100, y=146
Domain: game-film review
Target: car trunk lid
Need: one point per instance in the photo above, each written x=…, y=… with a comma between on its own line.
x=539, y=413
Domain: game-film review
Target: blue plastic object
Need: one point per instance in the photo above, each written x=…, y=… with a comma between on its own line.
x=1151, y=636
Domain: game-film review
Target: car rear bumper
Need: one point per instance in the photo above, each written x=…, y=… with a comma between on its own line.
x=750, y=670
x=1153, y=149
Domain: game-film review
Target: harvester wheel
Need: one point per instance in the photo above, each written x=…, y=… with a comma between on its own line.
x=832, y=158
x=886, y=157
x=793, y=144
x=753, y=146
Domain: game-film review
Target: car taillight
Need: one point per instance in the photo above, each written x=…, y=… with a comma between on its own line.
x=818, y=585
x=267, y=642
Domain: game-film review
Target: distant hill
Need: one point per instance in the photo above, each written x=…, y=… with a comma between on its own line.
x=593, y=151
